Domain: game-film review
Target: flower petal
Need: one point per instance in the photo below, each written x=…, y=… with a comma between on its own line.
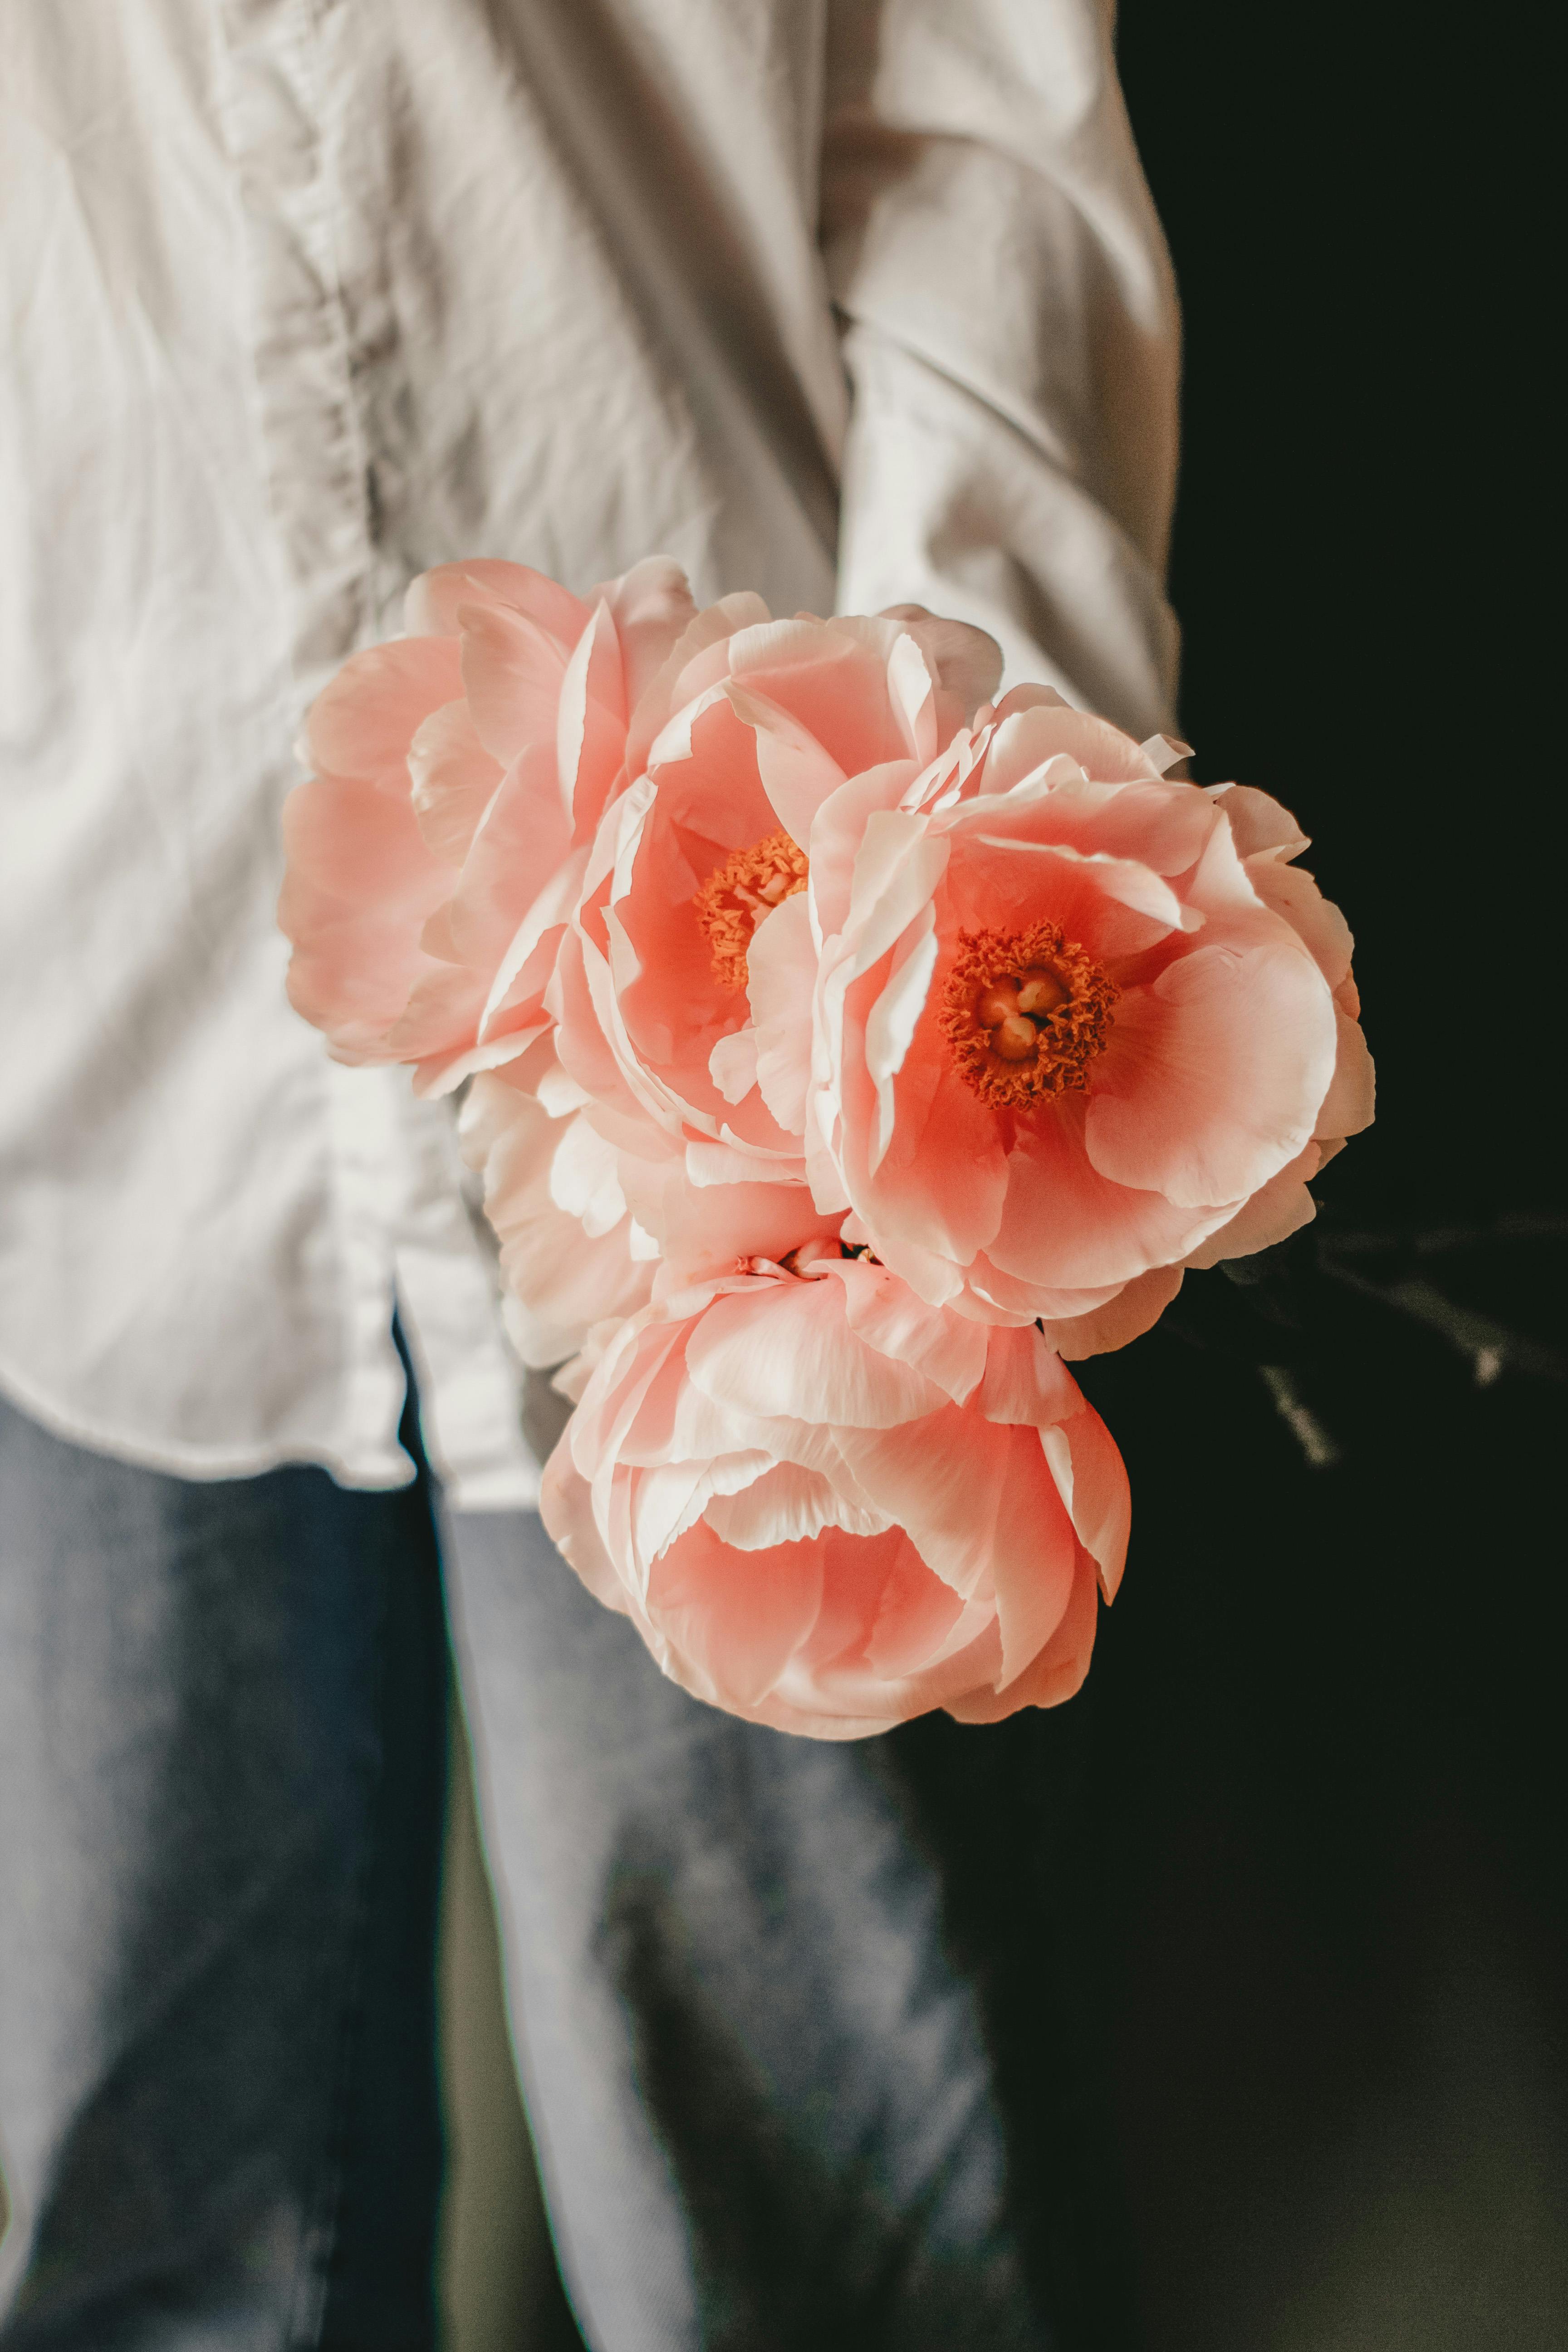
x=1213, y=1075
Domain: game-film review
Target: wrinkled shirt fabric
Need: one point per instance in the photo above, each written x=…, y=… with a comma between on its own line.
x=850, y=301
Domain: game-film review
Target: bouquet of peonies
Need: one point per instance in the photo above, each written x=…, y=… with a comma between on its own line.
x=843, y=1049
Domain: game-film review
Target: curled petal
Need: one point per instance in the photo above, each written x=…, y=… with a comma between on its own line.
x=834, y=1576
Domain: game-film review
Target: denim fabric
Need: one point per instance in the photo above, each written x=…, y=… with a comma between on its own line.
x=222, y=1754
x=804, y=2026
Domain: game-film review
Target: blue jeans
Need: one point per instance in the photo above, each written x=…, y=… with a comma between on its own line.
x=223, y=1753
x=800, y=2025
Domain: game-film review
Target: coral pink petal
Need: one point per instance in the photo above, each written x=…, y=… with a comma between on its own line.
x=1067, y=1227
x=736, y=1618
x=1092, y=1479
x=362, y=722
x=566, y=1507
x=1136, y=1308
x=797, y=774
x=1349, y=1105
x=591, y=724
x=652, y=607
x=942, y=1185
x=1054, y=1675
x=1112, y=906
x=1024, y=1383
x=438, y=597
x=1291, y=893
x=522, y=840
x=1034, y=1552
x=1275, y=1211
x=833, y=679
x=802, y=1363
x=512, y=674
x=1212, y=1075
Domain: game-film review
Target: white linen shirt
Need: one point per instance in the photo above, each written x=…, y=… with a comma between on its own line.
x=853, y=302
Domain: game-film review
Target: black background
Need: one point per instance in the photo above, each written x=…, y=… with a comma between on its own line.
x=1325, y=1716
x=1367, y=565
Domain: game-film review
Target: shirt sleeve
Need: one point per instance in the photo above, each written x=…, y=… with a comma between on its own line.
x=1010, y=331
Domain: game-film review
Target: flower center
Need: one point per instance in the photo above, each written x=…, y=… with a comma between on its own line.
x=1025, y=1013
x=736, y=896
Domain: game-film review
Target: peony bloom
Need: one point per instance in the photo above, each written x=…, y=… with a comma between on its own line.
x=461, y=771
x=1077, y=1026
x=827, y=1507
x=572, y=1255
x=683, y=992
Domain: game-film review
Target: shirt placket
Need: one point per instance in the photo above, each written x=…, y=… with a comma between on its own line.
x=288, y=73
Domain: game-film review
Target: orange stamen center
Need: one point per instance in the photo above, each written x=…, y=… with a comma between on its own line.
x=737, y=895
x=1025, y=1013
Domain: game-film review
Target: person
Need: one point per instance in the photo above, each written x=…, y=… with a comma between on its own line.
x=854, y=304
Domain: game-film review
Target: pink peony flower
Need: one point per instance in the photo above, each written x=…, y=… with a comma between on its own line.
x=572, y=1255
x=683, y=991
x=1077, y=1026
x=827, y=1507
x=435, y=855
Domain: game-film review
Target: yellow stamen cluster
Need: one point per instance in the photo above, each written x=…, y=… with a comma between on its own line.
x=1025, y=1013
x=737, y=895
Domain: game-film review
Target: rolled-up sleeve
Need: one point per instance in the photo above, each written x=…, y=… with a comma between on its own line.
x=1010, y=336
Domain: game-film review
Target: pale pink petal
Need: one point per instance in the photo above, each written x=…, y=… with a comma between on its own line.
x=788, y=1505
x=1258, y=823
x=893, y=1320
x=454, y=779
x=836, y=833
x=1030, y=732
x=782, y=965
x=564, y=1277
x=706, y=1235
x=965, y=663
x=699, y=657
x=1112, y=906
x=1161, y=827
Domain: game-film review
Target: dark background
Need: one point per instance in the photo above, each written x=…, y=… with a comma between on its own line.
x=1366, y=561
x=1325, y=1716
